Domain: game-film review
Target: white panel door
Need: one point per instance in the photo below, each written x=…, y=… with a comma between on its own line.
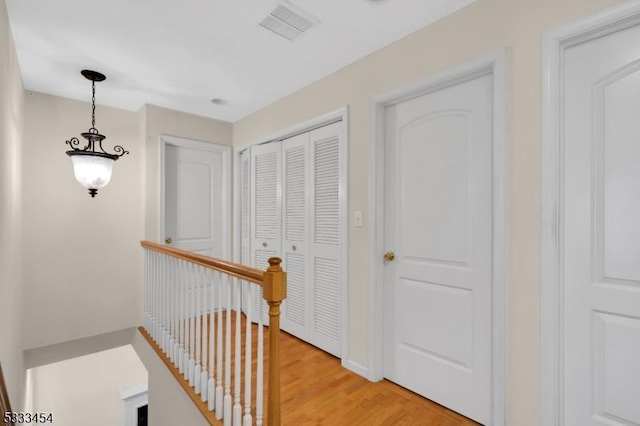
x=601, y=221
x=266, y=230
x=195, y=199
x=295, y=226
x=438, y=222
x=327, y=183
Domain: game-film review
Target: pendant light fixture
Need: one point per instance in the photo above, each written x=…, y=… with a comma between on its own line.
x=92, y=165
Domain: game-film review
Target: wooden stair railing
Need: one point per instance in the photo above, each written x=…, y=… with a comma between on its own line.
x=190, y=304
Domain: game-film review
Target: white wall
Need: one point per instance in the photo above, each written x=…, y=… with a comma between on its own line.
x=479, y=29
x=83, y=262
x=86, y=390
x=11, y=295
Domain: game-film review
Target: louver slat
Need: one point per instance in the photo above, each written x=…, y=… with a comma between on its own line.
x=326, y=192
x=326, y=300
x=245, y=197
x=296, y=291
x=266, y=196
x=295, y=199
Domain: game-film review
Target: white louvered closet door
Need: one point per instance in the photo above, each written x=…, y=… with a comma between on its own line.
x=295, y=225
x=265, y=209
x=245, y=224
x=324, y=245
x=292, y=192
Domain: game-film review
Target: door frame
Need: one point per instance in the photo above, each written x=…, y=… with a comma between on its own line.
x=134, y=398
x=493, y=64
x=226, y=184
x=339, y=115
x=554, y=45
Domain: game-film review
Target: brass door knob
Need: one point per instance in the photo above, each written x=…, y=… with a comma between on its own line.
x=168, y=240
x=389, y=256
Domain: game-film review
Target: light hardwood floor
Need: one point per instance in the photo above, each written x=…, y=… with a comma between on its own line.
x=317, y=390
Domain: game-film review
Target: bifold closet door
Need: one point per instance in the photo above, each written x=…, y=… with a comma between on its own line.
x=245, y=199
x=325, y=237
x=295, y=226
x=291, y=208
x=265, y=208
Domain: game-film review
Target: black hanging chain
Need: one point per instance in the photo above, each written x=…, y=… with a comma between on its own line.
x=93, y=105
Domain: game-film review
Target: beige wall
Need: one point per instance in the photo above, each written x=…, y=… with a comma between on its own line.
x=479, y=29
x=86, y=390
x=158, y=121
x=11, y=295
x=83, y=262
x=84, y=273
x=82, y=257
x=169, y=404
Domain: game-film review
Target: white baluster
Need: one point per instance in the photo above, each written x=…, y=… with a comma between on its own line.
x=219, y=390
x=170, y=311
x=204, y=376
x=154, y=332
x=176, y=280
x=163, y=300
x=160, y=301
x=160, y=332
x=183, y=327
x=260, y=363
x=157, y=291
x=227, y=355
x=198, y=317
x=192, y=325
x=146, y=289
x=187, y=319
x=248, y=420
x=152, y=296
x=237, y=382
x=176, y=317
x=211, y=391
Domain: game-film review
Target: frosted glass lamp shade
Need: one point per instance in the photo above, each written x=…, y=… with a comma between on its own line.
x=92, y=171
x=92, y=165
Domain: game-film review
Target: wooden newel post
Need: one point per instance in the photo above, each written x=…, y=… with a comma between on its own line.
x=274, y=291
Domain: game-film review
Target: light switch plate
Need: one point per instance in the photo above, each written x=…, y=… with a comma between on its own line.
x=357, y=218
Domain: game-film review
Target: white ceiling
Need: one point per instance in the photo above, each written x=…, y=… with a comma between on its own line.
x=180, y=54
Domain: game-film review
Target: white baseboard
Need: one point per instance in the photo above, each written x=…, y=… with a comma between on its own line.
x=357, y=368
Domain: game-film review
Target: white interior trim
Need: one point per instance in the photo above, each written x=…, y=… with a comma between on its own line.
x=226, y=184
x=342, y=115
x=551, y=310
x=492, y=64
x=296, y=129
x=134, y=398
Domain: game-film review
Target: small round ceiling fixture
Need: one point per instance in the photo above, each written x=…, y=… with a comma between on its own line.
x=219, y=101
x=93, y=75
x=376, y=1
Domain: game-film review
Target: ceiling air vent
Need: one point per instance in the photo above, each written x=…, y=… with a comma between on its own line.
x=287, y=22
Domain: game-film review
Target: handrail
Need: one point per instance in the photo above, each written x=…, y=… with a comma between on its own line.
x=230, y=268
x=273, y=282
